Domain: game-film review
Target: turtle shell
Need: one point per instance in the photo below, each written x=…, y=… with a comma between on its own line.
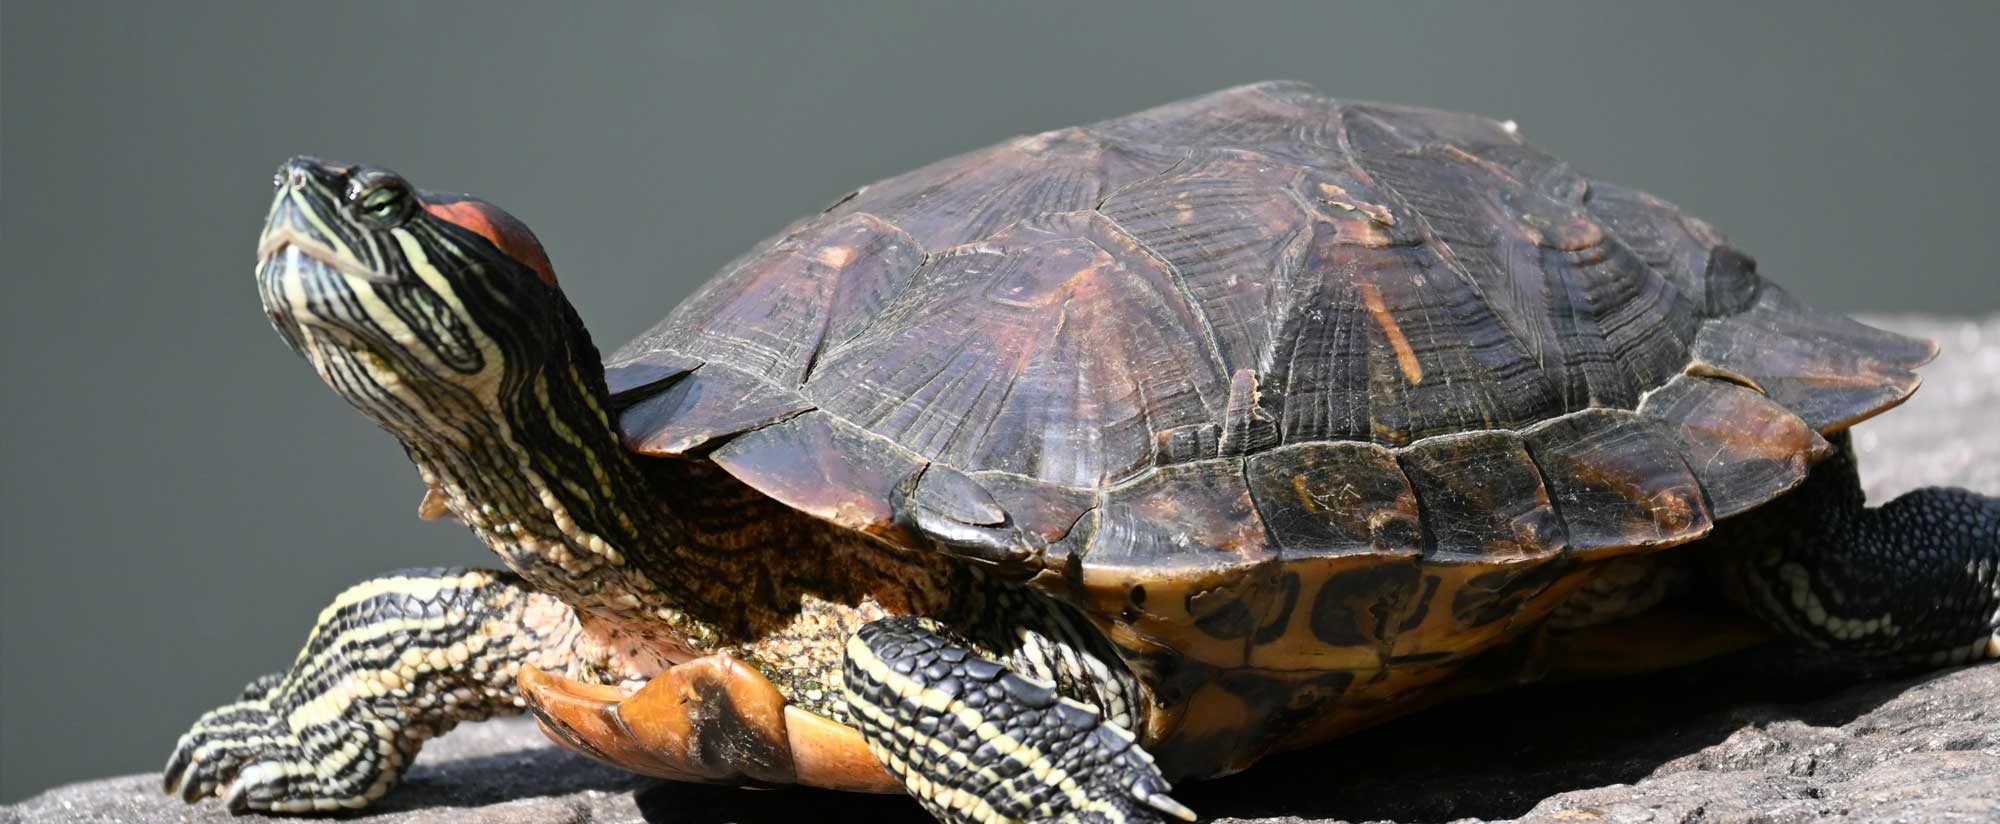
x=1273, y=380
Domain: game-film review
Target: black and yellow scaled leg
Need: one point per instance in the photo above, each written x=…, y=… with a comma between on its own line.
x=974, y=741
x=1916, y=580
x=392, y=662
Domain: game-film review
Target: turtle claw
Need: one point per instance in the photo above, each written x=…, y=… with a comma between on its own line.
x=262, y=687
x=271, y=783
x=248, y=755
x=210, y=754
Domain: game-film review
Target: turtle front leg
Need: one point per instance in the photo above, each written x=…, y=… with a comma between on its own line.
x=391, y=662
x=974, y=741
x=1916, y=580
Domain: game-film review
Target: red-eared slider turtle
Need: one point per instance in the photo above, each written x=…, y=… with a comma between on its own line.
x=1034, y=478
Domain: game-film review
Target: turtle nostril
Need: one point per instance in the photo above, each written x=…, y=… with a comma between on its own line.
x=297, y=176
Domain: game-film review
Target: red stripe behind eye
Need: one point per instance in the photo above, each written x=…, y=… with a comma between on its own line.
x=503, y=230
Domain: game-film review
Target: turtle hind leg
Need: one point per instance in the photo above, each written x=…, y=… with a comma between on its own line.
x=393, y=661
x=974, y=741
x=1916, y=580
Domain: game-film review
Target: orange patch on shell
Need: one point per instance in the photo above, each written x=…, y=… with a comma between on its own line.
x=503, y=230
x=1406, y=358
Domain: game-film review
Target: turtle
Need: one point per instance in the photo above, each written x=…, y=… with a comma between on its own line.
x=1037, y=478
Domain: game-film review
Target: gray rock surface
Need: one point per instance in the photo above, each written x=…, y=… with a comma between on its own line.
x=1770, y=736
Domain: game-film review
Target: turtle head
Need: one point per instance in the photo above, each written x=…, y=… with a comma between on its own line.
x=417, y=307
x=438, y=316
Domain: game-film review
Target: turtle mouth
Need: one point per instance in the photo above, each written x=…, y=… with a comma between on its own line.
x=287, y=242
x=310, y=296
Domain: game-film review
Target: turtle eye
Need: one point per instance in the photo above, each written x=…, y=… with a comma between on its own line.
x=384, y=204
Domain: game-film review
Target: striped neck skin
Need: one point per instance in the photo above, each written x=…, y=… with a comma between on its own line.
x=439, y=318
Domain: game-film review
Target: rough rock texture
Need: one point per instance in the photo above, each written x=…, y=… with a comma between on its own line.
x=1770, y=736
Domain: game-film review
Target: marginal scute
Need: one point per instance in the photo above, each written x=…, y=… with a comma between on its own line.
x=1618, y=482
x=1191, y=536
x=714, y=401
x=827, y=468
x=1197, y=516
x=952, y=494
x=1887, y=347
x=1744, y=448
x=1043, y=510
x=1481, y=498
x=1323, y=499
x=1830, y=370
x=955, y=514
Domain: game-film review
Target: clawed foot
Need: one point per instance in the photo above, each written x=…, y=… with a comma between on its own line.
x=249, y=755
x=974, y=741
x=393, y=661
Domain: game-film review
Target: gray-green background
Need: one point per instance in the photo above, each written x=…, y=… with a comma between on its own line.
x=181, y=494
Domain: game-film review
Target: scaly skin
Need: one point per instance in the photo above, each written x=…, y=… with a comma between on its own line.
x=975, y=741
x=1915, y=580
x=393, y=661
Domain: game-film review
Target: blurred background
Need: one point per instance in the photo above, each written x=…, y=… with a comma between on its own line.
x=181, y=494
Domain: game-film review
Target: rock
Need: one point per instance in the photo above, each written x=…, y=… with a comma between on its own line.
x=1772, y=736
x=499, y=772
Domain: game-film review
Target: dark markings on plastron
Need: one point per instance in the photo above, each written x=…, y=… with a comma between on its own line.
x=1289, y=701
x=1354, y=608
x=1230, y=621
x=1421, y=657
x=1169, y=676
x=724, y=740
x=1288, y=599
x=1423, y=607
x=1499, y=594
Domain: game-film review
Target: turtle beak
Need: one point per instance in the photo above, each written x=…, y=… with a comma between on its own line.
x=306, y=215
x=308, y=268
